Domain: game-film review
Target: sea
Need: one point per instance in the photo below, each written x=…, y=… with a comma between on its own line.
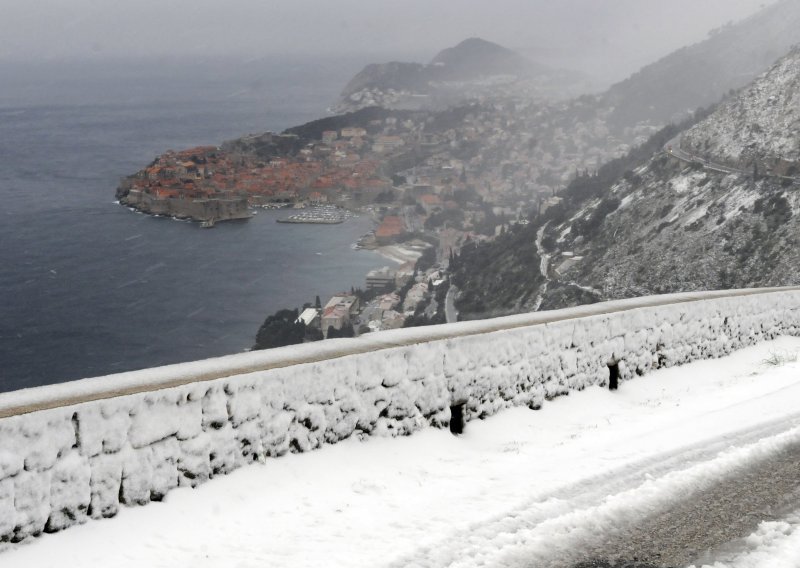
x=90, y=288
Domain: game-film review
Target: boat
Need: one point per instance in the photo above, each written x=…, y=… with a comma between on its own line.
x=207, y=224
x=321, y=215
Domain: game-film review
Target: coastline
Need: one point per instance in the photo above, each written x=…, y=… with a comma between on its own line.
x=198, y=210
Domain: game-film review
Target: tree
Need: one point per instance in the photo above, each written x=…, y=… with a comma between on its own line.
x=318, y=303
x=279, y=330
x=346, y=331
x=313, y=334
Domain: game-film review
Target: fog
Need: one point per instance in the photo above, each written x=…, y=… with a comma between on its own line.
x=607, y=38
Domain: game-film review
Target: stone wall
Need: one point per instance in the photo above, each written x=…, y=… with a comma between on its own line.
x=62, y=466
x=197, y=209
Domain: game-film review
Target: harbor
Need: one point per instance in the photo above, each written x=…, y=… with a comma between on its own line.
x=319, y=215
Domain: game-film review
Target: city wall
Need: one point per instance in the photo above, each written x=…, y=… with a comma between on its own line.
x=81, y=450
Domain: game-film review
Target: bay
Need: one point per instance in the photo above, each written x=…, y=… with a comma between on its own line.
x=89, y=288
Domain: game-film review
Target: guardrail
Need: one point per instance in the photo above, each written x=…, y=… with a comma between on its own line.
x=148, y=380
x=82, y=450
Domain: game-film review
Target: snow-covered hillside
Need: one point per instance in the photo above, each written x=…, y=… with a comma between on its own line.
x=515, y=490
x=759, y=126
x=682, y=221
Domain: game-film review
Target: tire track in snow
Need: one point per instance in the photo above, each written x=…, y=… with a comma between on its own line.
x=692, y=528
x=568, y=526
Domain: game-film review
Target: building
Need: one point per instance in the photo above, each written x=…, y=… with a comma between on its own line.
x=346, y=300
x=338, y=312
x=389, y=230
x=430, y=203
x=353, y=132
x=381, y=278
x=335, y=317
x=389, y=301
x=310, y=317
x=387, y=144
x=329, y=137
x=317, y=197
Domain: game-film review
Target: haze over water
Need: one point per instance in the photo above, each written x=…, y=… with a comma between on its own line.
x=89, y=288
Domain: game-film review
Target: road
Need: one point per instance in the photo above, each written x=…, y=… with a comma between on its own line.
x=697, y=528
x=450, y=305
x=544, y=266
x=588, y=479
x=673, y=148
x=691, y=505
x=701, y=484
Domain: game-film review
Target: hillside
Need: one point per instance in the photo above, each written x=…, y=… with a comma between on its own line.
x=471, y=68
x=681, y=226
x=651, y=223
x=759, y=128
x=475, y=57
x=699, y=74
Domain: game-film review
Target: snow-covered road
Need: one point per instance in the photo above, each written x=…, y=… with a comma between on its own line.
x=520, y=489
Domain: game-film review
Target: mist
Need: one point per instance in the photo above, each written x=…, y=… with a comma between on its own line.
x=608, y=39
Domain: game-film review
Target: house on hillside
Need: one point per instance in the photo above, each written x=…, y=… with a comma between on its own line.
x=338, y=312
x=430, y=203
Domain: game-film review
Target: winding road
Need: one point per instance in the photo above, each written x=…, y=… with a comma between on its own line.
x=544, y=266
x=450, y=311
x=673, y=149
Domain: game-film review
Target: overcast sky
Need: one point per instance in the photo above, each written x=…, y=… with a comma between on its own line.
x=624, y=33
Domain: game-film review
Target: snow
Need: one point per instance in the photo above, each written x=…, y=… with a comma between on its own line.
x=84, y=459
x=513, y=487
x=197, y=371
x=760, y=122
x=684, y=183
x=774, y=544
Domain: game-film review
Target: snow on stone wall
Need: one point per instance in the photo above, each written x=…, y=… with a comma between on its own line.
x=65, y=465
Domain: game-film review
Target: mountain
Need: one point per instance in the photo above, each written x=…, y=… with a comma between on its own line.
x=726, y=219
x=475, y=57
x=473, y=67
x=759, y=127
x=715, y=207
x=699, y=74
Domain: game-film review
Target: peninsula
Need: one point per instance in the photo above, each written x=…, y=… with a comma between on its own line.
x=212, y=183
x=351, y=160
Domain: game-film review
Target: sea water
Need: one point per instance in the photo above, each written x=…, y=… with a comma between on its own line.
x=88, y=287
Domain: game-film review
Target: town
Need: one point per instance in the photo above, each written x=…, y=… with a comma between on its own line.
x=432, y=180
